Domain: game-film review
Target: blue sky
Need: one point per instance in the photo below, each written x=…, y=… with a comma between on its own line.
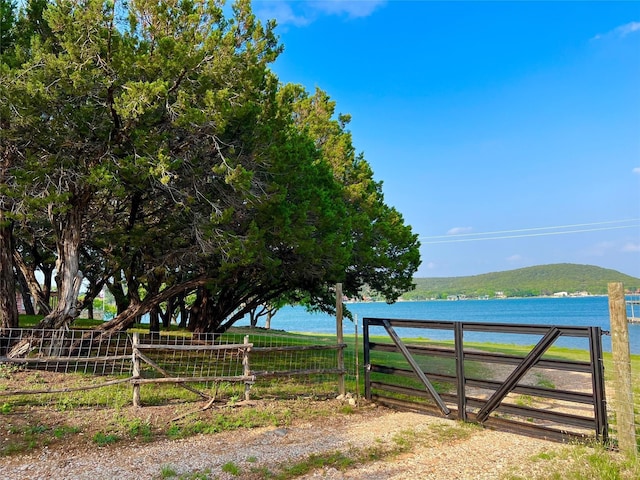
x=507, y=133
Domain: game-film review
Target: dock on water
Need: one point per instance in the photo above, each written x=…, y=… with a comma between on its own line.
x=632, y=303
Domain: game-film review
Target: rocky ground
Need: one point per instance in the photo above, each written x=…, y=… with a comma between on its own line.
x=408, y=445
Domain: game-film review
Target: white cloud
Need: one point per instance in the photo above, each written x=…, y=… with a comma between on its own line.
x=631, y=247
x=636, y=170
x=281, y=12
x=459, y=230
x=301, y=13
x=621, y=31
x=600, y=249
x=514, y=258
x=351, y=8
x=431, y=265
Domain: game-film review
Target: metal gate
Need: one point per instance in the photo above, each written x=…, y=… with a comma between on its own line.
x=539, y=393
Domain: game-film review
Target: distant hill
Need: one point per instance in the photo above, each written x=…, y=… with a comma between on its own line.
x=524, y=282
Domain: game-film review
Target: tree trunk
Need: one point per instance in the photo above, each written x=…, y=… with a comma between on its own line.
x=8, y=304
x=154, y=320
x=205, y=316
x=184, y=313
x=24, y=291
x=69, y=276
x=253, y=318
x=38, y=295
x=136, y=309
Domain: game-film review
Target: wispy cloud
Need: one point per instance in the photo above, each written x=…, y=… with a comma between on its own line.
x=301, y=13
x=514, y=258
x=621, y=31
x=459, y=230
x=351, y=8
x=631, y=247
x=636, y=170
x=601, y=248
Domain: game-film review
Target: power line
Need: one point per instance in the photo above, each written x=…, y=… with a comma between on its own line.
x=457, y=239
x=530, y=229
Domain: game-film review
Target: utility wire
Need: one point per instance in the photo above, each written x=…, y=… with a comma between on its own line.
x=457, y=239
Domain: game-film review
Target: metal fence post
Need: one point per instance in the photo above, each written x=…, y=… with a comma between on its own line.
x=340, y=338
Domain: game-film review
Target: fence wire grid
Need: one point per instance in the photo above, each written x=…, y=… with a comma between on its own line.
x=280, y=364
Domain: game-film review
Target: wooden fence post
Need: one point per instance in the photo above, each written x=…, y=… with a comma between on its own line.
x=622, y=370
x=246, y=368
x=135, y=359
x=340, y=338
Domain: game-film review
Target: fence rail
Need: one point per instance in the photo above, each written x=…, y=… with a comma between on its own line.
x=182, y=359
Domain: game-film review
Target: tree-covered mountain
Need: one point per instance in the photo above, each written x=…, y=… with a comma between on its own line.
x=524, y=282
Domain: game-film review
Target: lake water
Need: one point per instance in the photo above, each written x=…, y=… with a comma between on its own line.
x=566, y=311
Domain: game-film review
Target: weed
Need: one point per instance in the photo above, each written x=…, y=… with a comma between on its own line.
x=252, y=459
x=581, y=462
x=8, y=369
x=174, y=432
x=542, y=381
x=167, y=471
x=136, y=428
x=524, y=400
x=330, y=459
x=6, y=408
x=35, y=429
x=102, y=439
x=63, y=431
x=231, y=468
x=65, y=404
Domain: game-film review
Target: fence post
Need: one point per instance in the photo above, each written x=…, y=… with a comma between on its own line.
x=622, y=370
x=135, y=359
x=340, y=338
x=246, y=369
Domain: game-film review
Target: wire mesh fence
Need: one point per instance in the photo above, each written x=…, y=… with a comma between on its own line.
x=623, y=398
x=263, y=363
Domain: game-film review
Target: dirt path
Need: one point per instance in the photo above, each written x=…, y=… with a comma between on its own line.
x=439, y=453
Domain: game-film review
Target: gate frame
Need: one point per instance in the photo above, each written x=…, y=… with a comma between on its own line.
x=549, y=334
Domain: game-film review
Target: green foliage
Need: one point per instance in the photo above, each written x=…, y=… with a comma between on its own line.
x=168, y=471
x=524, y=282
x=102, y=439
x=7, y=24
x=199, y=172
x=231, y=468
x=579, y=462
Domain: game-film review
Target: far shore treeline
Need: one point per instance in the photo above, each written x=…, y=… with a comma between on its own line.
x=556, y=279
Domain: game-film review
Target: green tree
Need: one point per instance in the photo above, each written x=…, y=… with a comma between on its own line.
x=384, y=251
x=158, y=155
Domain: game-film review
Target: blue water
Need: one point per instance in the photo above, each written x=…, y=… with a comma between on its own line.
x=568, y=311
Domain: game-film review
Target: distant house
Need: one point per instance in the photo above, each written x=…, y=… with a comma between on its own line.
x=500, y=295
x=561, y=294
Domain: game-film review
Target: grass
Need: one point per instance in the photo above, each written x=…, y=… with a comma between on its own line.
x=578, y=462
x=22, y=439
x=102, y=439
x=598, y=462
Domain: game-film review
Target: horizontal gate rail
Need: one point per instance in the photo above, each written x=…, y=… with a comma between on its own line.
x=581, y=409
x=568, y=365
x=520, y=328
x=543, y=392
